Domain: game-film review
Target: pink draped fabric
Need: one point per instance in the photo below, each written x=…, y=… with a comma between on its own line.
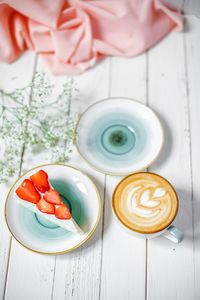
x=72, y=35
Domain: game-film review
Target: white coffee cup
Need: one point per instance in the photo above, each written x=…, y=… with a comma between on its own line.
x=167, y=230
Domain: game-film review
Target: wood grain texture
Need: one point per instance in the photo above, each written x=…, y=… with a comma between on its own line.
x=170, y=266
x=77, y=274
x=188, y=6
x=39, y=269
x=123, y=257
x=192, y=46
x=10, y=79
x=192, y=7
x=176, y=3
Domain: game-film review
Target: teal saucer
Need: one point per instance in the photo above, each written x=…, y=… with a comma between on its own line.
x=119, y=136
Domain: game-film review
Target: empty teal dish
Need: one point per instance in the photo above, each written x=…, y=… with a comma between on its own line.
x=119, y=136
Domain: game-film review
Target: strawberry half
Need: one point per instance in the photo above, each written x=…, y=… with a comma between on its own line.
x=26, y=191
x=40, y=180
x=62, y=212
x=52, y=196
x=45, y=207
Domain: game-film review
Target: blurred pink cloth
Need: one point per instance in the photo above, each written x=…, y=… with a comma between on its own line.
x=72, y=35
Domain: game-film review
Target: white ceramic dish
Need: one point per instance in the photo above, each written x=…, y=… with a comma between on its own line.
x=40, y=235
x=119, y=136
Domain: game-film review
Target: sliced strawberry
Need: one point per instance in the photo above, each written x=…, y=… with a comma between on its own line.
x=40, y=180
x=26, y=191
x=62, y=212
x=45, y=207
x=52, y=196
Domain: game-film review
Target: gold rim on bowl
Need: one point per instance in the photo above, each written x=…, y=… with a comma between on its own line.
x=78, y=245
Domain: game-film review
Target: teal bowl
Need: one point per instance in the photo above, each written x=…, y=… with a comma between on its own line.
x=34, y=232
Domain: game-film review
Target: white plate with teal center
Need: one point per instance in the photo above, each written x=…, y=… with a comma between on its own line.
x=39, y=235
x=119, y=136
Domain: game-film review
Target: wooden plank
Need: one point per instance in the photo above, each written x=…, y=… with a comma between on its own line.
x=10, y=79
x=38, y=269
x=123, y=257
x=192, y=7
x=175, y=3
x=77, y=274
x=170, y=266
x=192, y=52
x=188, y=6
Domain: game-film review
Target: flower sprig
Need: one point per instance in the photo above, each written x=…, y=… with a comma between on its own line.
x=29, y=118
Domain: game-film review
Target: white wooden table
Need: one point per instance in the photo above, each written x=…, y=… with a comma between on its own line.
x=113, y=265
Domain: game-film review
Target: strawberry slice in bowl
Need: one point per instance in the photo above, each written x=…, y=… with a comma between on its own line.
x=41, y=181
x=52, y=196
x=45, y=207
x=62, y=212
x=26, y=191
x=47, y=203
x=49, y=223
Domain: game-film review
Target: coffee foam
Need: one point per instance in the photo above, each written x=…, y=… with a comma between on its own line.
x=145, y=202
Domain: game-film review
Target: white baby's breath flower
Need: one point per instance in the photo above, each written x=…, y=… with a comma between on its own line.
x=25, y=122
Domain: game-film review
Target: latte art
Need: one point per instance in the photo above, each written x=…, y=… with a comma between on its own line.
x=145, y=202
x=144, y=205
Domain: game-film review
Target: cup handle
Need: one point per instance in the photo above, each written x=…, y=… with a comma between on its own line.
x=173, y=234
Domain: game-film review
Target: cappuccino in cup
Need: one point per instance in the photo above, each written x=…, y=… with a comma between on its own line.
x=145, y=203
